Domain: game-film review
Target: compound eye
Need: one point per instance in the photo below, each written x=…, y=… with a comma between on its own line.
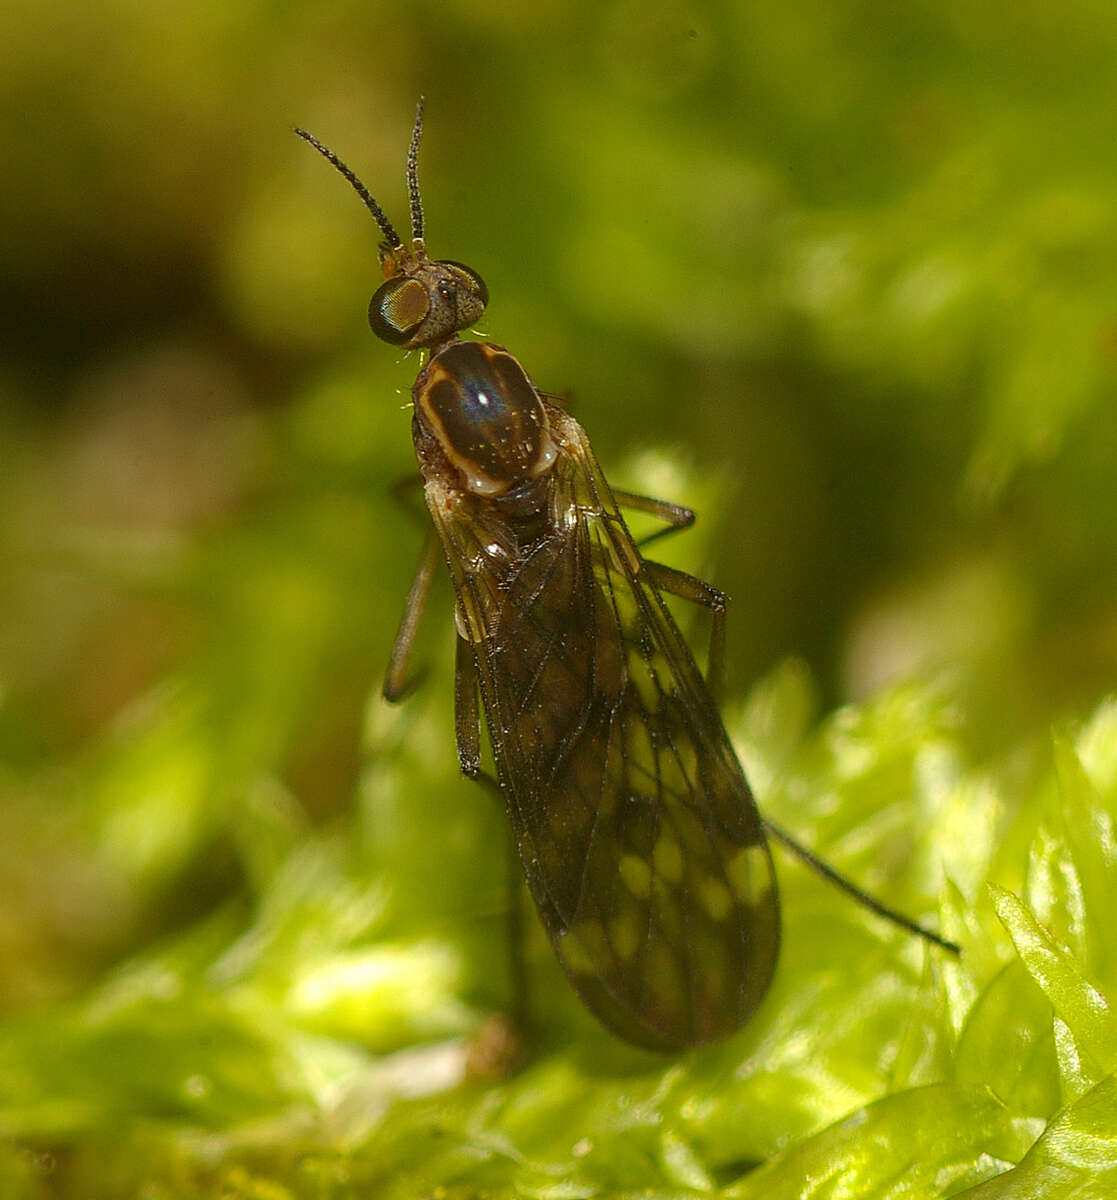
x=472, y=281
x=397, y=309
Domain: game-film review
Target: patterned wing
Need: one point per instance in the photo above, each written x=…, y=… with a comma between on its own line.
x=638, y=833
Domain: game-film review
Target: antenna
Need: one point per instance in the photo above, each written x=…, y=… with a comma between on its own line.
x=413, y=175
x=390, y=236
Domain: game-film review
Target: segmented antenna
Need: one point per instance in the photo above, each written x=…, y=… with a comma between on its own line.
x=390, y=236
x=413, y=174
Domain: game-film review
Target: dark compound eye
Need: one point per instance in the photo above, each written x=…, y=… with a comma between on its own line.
x=398, y=309
x=472, y=280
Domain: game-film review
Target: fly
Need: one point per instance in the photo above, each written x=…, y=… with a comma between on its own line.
x=642, y=845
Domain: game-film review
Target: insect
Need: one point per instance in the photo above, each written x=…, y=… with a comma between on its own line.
x=641, y=841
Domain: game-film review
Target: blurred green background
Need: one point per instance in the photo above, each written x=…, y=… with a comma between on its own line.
x=839, y=277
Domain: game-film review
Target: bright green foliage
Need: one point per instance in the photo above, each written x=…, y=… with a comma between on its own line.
x=253, y=1047
x=841, y=277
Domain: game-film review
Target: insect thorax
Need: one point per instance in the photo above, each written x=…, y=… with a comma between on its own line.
x=488, y=420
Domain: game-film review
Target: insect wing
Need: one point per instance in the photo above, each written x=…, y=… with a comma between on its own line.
x=638, y=833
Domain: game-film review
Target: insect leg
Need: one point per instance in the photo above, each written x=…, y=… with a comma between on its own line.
x=679, y=583
x=398, y=682
x=467, y=713
x=674, y=516
x=467, y=725
x=853, y=891
x=688, y=587
x=517, y=936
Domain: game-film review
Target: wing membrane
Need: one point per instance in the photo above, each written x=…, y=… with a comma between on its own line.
x=639, y=835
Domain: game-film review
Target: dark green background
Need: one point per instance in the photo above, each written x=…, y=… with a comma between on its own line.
x=840, y=277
